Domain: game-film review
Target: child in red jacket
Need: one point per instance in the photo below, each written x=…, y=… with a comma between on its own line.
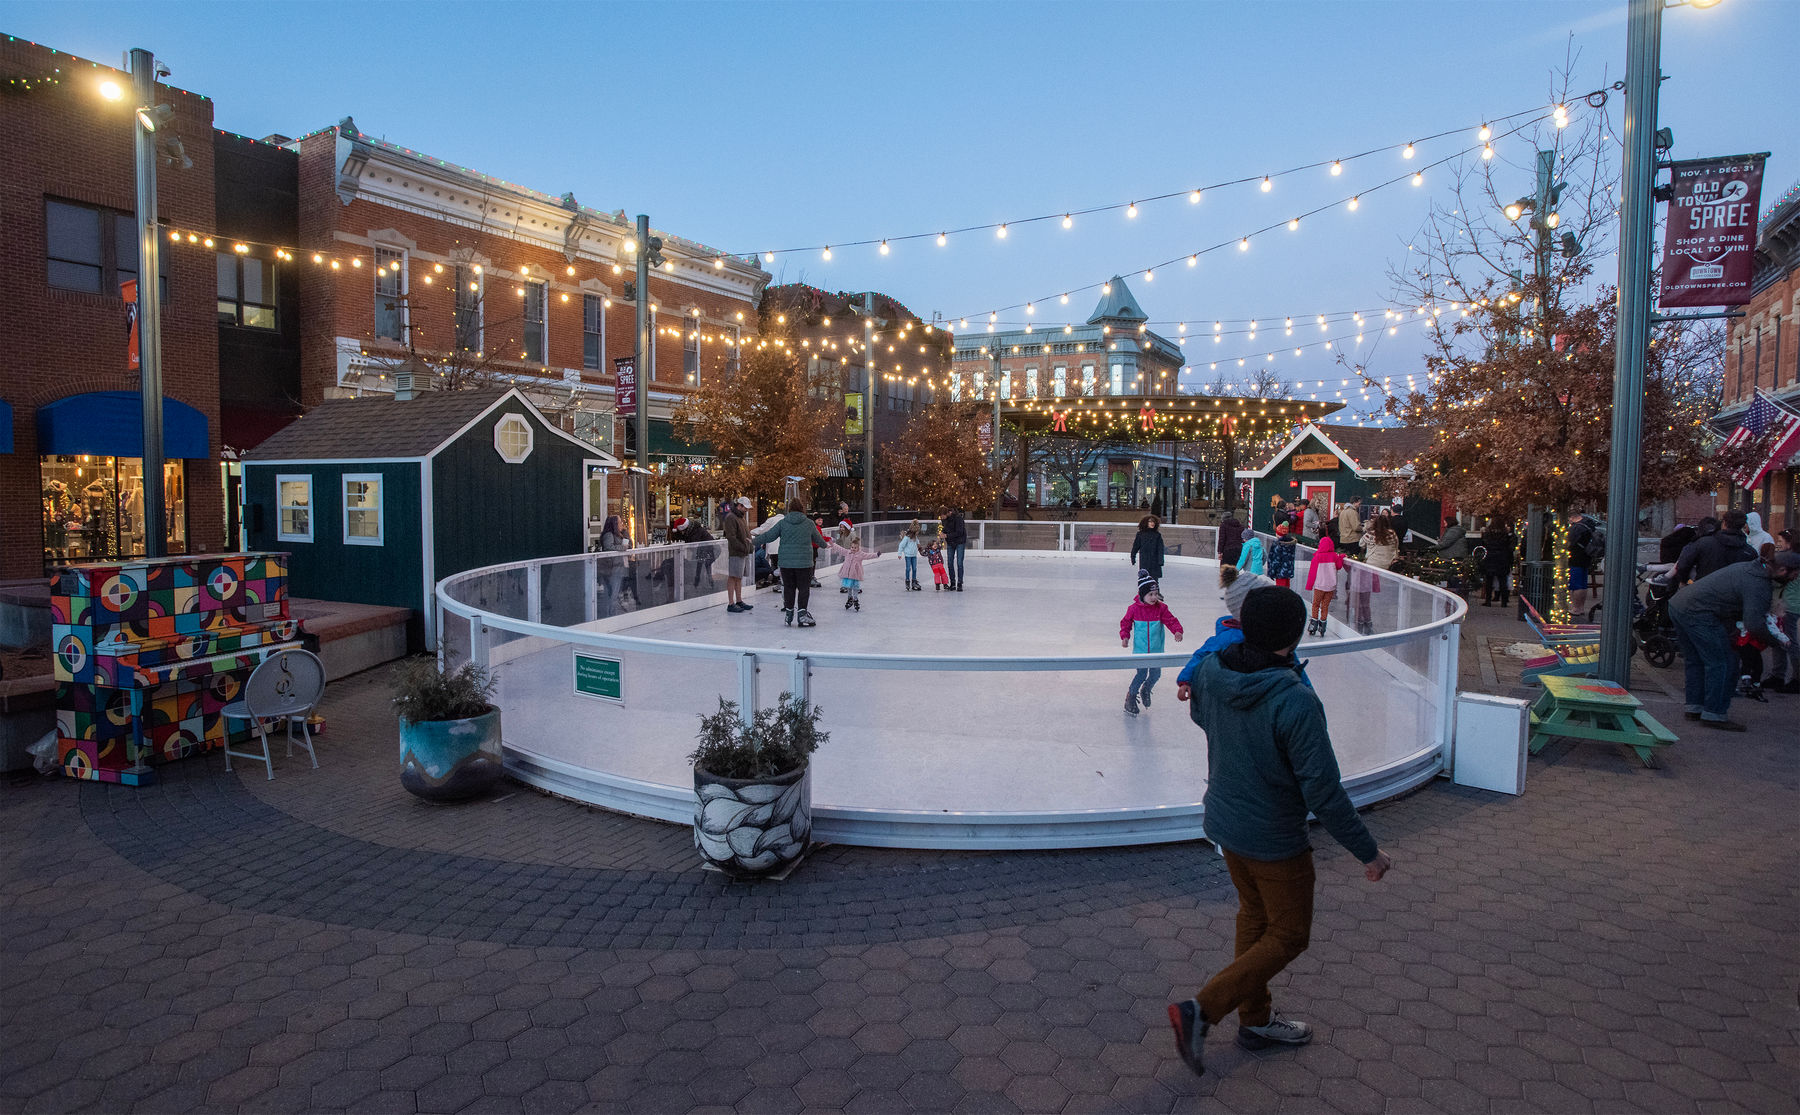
x=1141, y=629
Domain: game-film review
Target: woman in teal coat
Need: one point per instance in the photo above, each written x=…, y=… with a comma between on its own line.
x=794, y=535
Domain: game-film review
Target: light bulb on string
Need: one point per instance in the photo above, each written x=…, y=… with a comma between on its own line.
x=1194, y=197
x=1068, y=221
x=1194, y=260
x=1418, y=178
x=1408, y=153
x=1001, y=231
x=1337, y=168
x=1294, y=224
x=1244, y=244
x=1131, y=210
x=884, y=247
x=1267, y=184
x=1487, y=152
x=828, y=251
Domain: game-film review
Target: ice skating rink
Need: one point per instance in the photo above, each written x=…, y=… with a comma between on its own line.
x=964, y=741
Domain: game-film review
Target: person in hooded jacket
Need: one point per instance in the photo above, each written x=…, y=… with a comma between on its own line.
x=1252, y=557
x=1231, y=538
x=1754, y=534
x=1322, y=576
x=1269, y=764
x=1710, y=553
x=1147, y=548
x=1455, y=541
x=1500, y=546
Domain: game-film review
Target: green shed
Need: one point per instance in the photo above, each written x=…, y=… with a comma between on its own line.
x=1346, y=464
x=380, y=498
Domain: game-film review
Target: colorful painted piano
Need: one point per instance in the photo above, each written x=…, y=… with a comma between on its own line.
x=148, y=652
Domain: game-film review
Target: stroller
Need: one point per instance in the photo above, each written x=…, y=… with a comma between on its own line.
x=1650, y=621
x=940, y=576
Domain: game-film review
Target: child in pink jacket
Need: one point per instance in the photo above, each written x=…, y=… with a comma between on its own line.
x=1322, y=578
x=1141, y=629
x=852, y=569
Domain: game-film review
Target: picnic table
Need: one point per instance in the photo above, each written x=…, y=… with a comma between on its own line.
x=1603, y=711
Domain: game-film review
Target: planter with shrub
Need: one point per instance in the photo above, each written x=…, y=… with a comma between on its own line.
x=449, y=730
x=753, y=786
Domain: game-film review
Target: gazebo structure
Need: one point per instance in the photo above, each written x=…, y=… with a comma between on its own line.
x=1155, y=419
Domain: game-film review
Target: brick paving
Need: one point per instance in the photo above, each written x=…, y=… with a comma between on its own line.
x=1619, y=938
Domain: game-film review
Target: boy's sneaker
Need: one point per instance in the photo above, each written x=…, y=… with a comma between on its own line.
x=1190, y=1033
x=1278, y=1031
x=745, y=605
x=807, y=620
x=734, y=607
x=1145, y=697
x=1131, y=703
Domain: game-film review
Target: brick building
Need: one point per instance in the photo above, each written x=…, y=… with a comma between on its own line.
x=71, y=485
x=1763, y=351
x=1113, y=353
x=410, y=258
x=828, y=329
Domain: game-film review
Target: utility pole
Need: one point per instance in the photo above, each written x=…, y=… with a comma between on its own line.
x=868, y=408
x=643, y=356
x=994, y=425
x=1643, y=74
x=143, y=87
x=1542, y=205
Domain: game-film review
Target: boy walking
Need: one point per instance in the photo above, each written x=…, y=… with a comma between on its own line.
x=1141, y=629
x=1269, y=763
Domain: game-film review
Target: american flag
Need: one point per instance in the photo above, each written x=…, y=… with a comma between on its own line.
x=1765, y=414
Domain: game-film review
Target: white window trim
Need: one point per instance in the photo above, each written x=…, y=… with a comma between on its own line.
x=530, y=437
x=698, y=328
x=405, y=307
x=312, y=510
x=600, y=299
x=459, y=272
x=543, y=289
x=380, y=482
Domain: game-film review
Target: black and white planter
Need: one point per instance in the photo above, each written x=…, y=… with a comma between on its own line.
x=750, y=828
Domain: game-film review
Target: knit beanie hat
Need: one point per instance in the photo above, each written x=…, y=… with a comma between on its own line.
x=1146, y=584
x=1281, y=529
x=1273, y=618
x=1240, y=588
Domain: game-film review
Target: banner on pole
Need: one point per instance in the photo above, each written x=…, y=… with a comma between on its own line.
x=625, y=393
x=984, y=434
x=128, y=291
x=853, y=415
x=1709, y=246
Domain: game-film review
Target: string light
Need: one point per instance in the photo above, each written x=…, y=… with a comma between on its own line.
x=1131, y=210
x=1068, y=221
x=1194, y=197
x=884, y=247
x=1267, y=185
x=1408, y=153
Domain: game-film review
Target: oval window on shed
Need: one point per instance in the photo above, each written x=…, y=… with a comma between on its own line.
x=512, y=439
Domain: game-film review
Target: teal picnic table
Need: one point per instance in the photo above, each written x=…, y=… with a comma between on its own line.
x=1603, y=711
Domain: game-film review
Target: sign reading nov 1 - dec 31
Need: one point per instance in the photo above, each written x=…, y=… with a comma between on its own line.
x=1710, y=242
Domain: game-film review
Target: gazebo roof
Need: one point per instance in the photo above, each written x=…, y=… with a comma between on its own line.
x=1163, y=417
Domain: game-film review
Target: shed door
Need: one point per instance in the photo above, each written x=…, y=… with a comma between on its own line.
x=1312, y=489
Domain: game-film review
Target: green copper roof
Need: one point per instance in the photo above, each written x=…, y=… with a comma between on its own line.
x=1117, y=304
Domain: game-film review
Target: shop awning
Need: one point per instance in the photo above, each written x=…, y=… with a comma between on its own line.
x=666, y=443
x=111, y=424
x=6, y=434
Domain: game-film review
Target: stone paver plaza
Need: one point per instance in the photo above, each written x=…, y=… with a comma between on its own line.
x=1616, y=939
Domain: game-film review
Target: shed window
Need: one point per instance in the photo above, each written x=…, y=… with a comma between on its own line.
x=294, y=495
x=513, y=439
x=362, y=509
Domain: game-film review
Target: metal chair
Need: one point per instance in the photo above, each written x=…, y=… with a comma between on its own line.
x=286, y=686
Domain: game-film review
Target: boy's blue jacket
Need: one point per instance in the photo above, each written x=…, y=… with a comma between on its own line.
x=1225, y=633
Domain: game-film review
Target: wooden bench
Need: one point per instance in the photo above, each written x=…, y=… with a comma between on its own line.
x=1559, y=634
x=1601, y=711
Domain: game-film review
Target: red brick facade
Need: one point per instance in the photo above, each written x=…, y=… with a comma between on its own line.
x=439, y=216
x=1763, y=351
x=66, y=142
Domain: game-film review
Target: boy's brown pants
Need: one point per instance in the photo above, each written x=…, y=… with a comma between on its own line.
x=1274, y=925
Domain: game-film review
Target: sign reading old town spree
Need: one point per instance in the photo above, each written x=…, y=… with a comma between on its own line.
x=1709, y=248
x=625, y=369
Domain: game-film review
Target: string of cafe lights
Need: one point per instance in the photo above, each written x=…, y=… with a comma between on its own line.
x=1194, y=194
x=1292, y=224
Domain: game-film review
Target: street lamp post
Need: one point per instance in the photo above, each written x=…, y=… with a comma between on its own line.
x=1643, y=74
x=868, y=408
x=143, y=85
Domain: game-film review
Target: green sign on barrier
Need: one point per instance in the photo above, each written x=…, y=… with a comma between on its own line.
x=599, y=677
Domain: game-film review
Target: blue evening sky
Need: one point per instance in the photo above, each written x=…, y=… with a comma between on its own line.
x=774, y=125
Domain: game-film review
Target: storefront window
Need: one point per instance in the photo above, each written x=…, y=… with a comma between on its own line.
x=94, y=508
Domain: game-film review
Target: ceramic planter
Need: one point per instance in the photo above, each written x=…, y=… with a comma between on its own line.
x=753, y=827
x=448, y=760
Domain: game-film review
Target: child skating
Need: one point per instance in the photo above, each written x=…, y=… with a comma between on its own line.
x=934, y=557
x=1141, y=629
x=909, y=550
x=852, y=569
x=1281, y=556
x=1322, y=579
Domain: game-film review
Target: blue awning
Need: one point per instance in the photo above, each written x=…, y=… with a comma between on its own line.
x=6, y=437
x=111, y=424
